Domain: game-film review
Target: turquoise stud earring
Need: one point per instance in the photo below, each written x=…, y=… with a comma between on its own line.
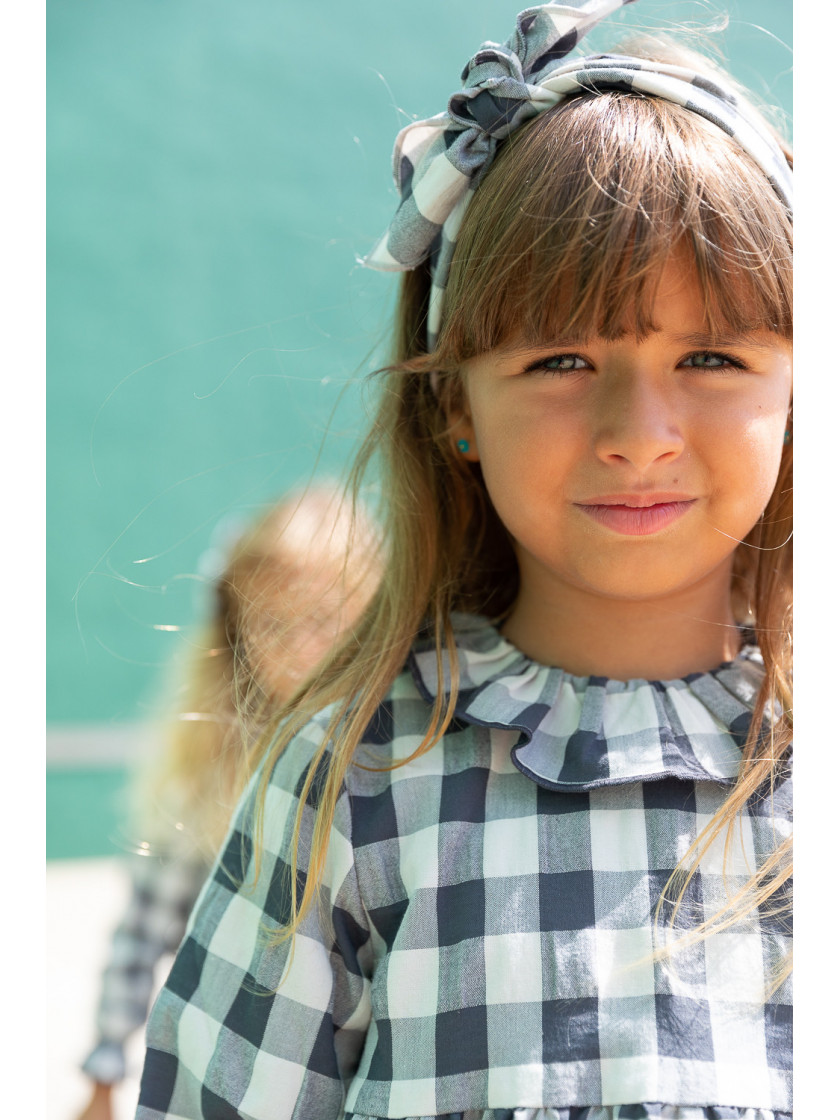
x=785, y=438
x=463, y=446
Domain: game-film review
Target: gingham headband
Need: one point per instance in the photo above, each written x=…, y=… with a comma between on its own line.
x=439, y=162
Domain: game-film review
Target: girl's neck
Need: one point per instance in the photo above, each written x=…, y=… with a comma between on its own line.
x=589, y=635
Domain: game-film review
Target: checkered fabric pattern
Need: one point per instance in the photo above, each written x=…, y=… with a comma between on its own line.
x=163, y=892
x=482, y=951
x=438, y=163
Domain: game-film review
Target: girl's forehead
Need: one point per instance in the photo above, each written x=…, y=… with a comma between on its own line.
x=673, y=303
x=631, y=287
x=672, y=309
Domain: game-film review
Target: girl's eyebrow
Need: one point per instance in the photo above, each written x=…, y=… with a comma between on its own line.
x=757, y=338
x=564, y=342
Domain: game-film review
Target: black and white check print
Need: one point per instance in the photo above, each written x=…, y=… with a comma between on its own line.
x=483, y=951
x=439, y=163
x=163, y=892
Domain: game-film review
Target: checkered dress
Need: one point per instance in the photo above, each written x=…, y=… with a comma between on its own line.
x=483, y=949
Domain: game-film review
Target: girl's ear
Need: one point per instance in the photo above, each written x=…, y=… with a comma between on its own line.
x=462, y=434
x=454, y=401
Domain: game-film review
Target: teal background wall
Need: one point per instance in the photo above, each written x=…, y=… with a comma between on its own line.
x=215, y=168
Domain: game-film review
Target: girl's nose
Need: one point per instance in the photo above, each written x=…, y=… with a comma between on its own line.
x=636, y=426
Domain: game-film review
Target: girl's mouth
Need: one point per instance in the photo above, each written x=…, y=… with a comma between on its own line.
x=634, y=520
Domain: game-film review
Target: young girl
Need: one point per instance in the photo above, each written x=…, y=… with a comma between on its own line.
x=521, y=851
x=288, y=589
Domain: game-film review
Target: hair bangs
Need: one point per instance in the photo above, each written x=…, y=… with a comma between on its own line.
x=571, y=228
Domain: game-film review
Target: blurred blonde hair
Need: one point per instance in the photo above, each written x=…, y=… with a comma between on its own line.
x=294, y=581
x=568, y=234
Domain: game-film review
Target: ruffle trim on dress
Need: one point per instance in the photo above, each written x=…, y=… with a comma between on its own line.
x=603, y=1112
x=580, y=733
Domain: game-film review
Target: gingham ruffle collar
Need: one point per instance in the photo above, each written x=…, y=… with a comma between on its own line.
x=579, y=733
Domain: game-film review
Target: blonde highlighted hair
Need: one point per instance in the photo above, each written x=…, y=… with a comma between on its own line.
x=568, y=234
x=293, y=582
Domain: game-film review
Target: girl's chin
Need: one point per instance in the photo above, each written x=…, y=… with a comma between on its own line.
x=639, y=579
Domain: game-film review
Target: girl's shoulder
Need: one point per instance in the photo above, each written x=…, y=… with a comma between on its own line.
x=392, y=753
x=398, y=725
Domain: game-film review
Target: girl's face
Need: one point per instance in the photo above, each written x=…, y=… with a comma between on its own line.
x=631, y=468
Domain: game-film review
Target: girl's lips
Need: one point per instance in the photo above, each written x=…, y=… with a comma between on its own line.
x=637, y=520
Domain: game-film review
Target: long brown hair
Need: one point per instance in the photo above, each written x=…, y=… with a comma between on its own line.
x=568, y=233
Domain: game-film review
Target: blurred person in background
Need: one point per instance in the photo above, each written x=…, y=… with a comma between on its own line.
x=292, y=585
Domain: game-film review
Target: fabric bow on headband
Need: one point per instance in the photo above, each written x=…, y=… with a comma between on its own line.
x=438, y=163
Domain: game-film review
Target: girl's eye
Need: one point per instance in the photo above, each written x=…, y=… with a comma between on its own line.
x=558, y=364
x=711, y=359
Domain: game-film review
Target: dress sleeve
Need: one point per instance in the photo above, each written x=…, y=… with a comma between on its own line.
x=250, y=1029
x=163, y=892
